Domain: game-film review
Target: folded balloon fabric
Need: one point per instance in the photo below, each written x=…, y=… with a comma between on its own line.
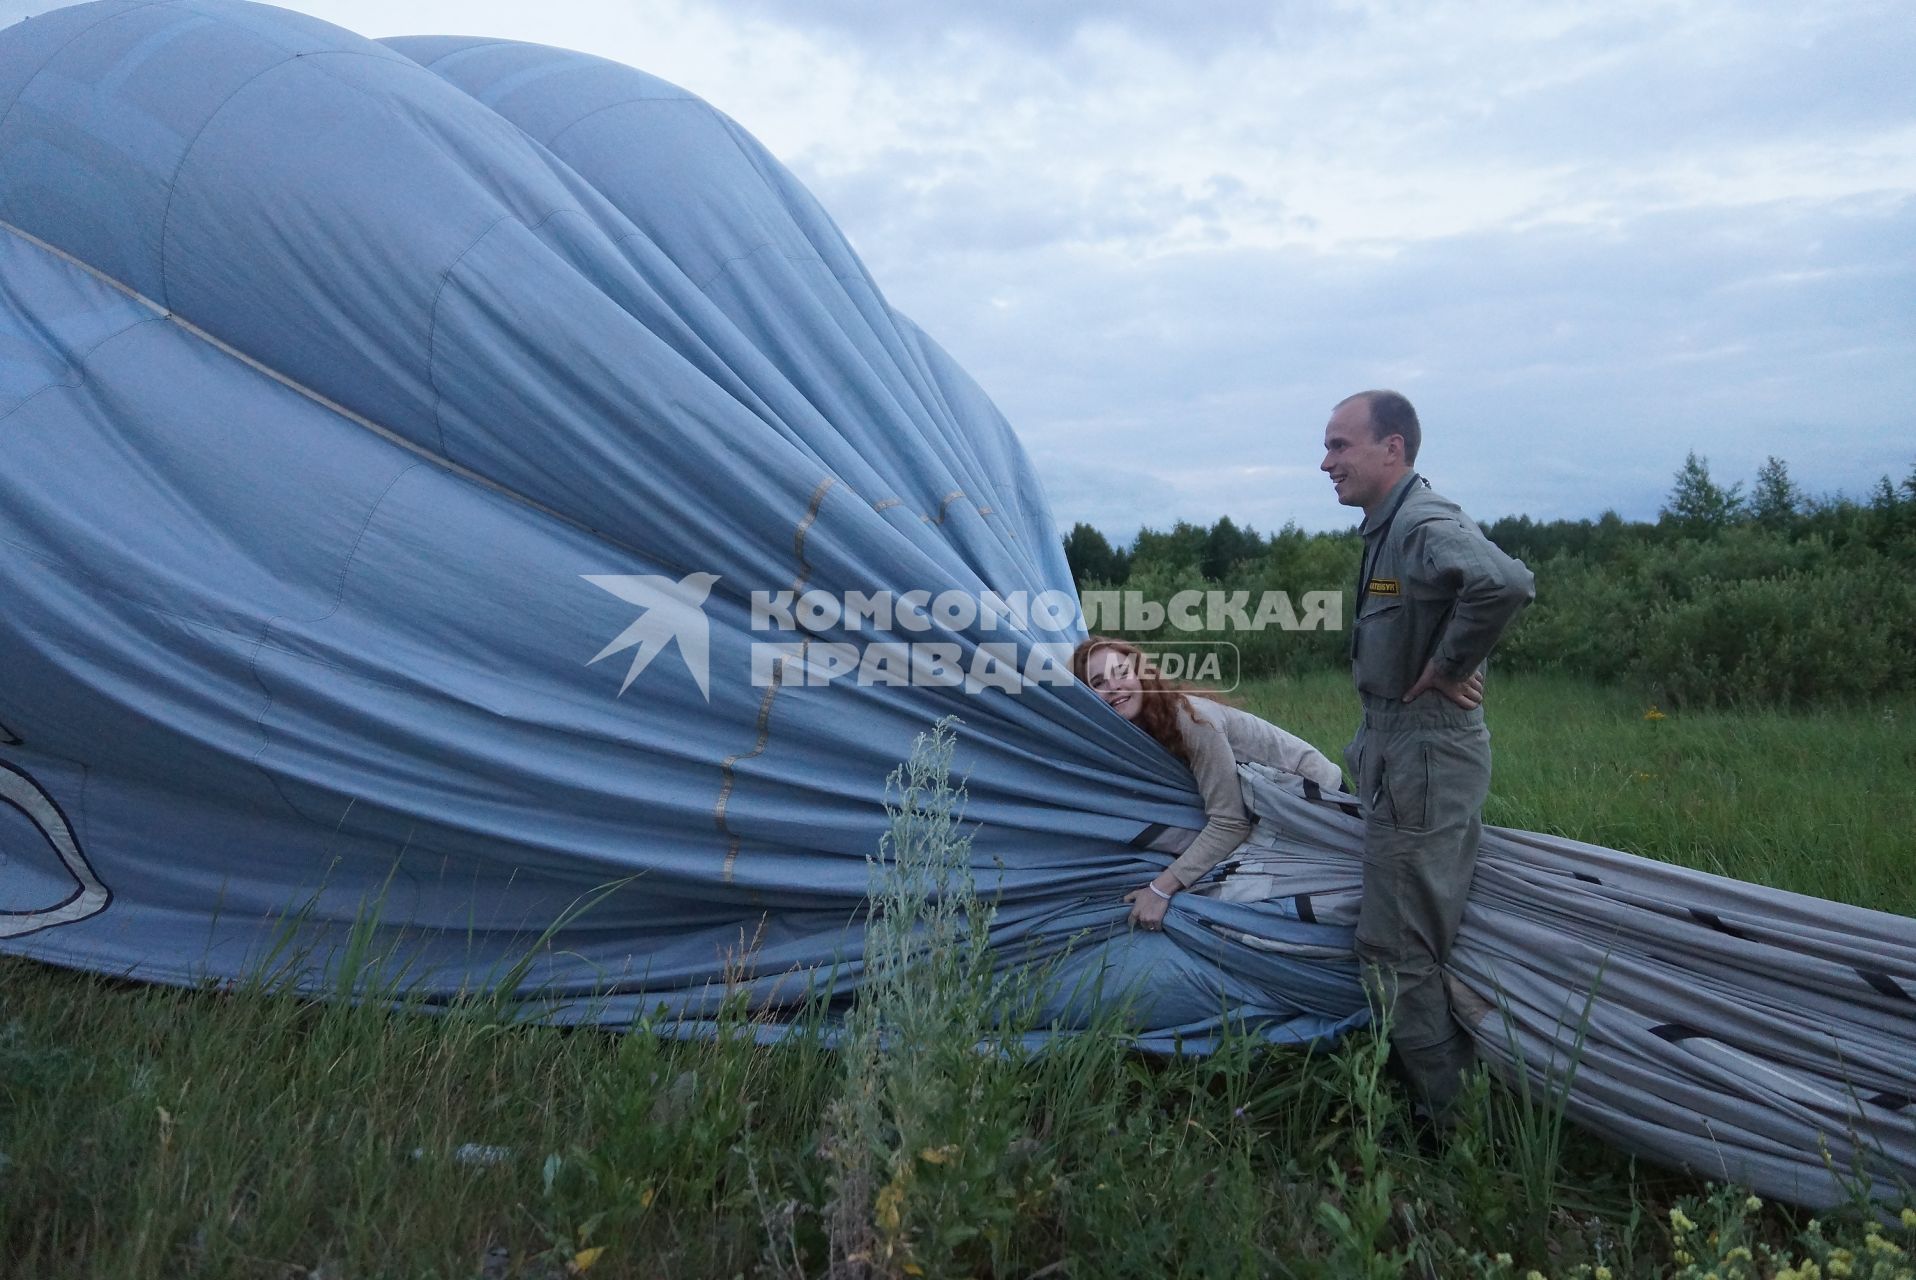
x=447, y=481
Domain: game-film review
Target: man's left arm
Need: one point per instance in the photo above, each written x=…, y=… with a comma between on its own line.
x=1489, y=589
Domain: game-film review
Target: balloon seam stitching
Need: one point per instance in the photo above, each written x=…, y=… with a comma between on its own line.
x=77, y=367
x=186, y=153
x=261, y=643
x=432, y=322
x=728, y=771
x=332, y=406
x=686, y=97
x=78, y=35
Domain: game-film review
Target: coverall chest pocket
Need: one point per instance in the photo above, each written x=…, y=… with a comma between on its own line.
x=1378, y=646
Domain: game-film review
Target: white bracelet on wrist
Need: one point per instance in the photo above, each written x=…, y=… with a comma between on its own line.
x=1152, y=886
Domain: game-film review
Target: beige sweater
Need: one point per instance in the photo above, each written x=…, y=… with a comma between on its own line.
x=1218, y=737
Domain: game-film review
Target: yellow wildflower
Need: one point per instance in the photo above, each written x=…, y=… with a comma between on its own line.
x=890, y=1206
x=1682, y=1255
x=1603, y=1273
x=1533, y=1275
x=1752, y=1204
x=1680, y=1221
x=1503, y=1259
x=1909, y=1219
x=1653, y=714
x=1838, y=1267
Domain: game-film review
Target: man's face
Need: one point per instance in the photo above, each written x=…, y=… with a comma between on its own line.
x=1362, y=469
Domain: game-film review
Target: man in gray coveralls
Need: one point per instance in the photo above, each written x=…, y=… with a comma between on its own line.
x=1433, y=596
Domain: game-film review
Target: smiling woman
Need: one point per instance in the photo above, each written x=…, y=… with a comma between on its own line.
x=1208, y=737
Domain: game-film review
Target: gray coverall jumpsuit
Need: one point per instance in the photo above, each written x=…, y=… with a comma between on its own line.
x=1431, y=587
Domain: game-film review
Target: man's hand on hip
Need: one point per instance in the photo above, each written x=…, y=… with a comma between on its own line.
x=1467, y=693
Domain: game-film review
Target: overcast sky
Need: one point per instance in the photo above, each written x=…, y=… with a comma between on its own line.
x=1583, y=238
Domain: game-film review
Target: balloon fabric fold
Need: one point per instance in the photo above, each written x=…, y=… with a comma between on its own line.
x=413, y=454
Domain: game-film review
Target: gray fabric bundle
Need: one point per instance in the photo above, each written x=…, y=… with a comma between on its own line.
x=1747, y=1034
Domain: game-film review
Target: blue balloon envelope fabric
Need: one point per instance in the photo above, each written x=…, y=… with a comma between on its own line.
x=423, y=461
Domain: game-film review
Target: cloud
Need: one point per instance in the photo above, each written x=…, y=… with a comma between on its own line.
x=1584, y=238
x=1043, y=26
x=11, y=11
x=1560, y=370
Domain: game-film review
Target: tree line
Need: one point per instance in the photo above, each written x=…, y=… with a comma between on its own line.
x=1765, y=595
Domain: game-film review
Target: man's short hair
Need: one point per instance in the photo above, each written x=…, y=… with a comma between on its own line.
x=1391, y=415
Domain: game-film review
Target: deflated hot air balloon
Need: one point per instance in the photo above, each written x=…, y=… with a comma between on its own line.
x=444, y=482
x=423, y=462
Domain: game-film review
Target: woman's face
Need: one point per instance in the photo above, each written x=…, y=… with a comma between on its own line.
x=1113, y=675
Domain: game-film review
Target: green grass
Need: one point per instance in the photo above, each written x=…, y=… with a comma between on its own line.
x=1818, y=802
x=148, y=1132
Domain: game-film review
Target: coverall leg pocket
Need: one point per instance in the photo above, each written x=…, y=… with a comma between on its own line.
x=1403, y=784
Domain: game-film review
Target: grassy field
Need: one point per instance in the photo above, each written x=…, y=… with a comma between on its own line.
x=1818, y=802
x=164, y=1133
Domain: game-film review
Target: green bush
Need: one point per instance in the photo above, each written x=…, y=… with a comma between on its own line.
x=1792, y=640
x=1585, y=622
x=1811, y=604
